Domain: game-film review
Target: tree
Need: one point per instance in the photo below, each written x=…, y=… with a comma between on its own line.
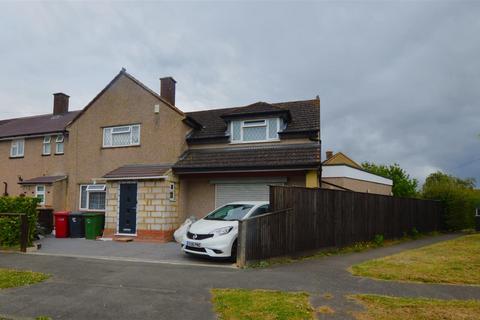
x=403, y=185
x=458, y=195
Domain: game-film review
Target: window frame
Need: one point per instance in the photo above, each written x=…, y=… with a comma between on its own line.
x=47, y=141
x=88, y=197
x=16, y=143
x=250, y=124
x=42, y=193
x=60, y=140
x=129, y=130
x=171, y=191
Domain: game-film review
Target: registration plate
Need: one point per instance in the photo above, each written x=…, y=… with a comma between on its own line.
x=193, y=244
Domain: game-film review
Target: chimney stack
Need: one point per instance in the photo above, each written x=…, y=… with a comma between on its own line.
x=60, y=103
x=167, y=89
x=329, y=154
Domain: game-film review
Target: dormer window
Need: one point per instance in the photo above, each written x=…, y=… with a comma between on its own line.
x=255, y=130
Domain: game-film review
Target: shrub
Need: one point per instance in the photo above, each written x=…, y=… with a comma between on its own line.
x=10, y=226
x=458, y=196
x=378, y=240
x=414, y=233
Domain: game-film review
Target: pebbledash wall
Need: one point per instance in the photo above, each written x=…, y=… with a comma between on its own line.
x=157, y=213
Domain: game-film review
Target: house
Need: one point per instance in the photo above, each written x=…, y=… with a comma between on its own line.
x=340, y=172
x=134, y=155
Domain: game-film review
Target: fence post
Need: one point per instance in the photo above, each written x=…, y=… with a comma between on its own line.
x=23, y=232
x=241, y=244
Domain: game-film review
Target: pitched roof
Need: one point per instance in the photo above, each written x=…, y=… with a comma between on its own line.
x=305, y=117
x=47, y=123
x=341, y=158
x=254, y=109
x=138, y=171
x=43, y=180
x=278, y=157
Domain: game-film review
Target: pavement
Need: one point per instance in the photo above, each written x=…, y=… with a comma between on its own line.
x=83, y=288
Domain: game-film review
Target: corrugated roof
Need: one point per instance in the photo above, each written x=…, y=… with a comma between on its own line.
x=138, y=171
x=43, y=180
x=292, y=156
x=28, y=126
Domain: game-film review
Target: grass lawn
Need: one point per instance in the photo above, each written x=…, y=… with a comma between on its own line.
x=239, y=304
x=393, y=308
x=14, y=278
x=455, y=261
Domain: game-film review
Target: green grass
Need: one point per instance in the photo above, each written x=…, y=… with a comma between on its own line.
x=394, y=308
x=14, y=278
x=357, y=247
x=240, y=304
x=455, y=261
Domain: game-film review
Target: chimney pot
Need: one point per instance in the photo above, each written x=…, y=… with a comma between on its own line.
x=329, y=154
x=167, y=89
x=60, y=103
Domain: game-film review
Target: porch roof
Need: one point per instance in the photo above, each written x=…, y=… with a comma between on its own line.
x=138, y=172
x=43, y=180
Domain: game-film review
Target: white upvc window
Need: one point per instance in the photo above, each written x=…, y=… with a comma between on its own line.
x=92, y=197
x=59, y=144
x=17, y=148
x=121, y=136
x=258, y=130
x=171, y=192
x=47, y=145
x=40, y=193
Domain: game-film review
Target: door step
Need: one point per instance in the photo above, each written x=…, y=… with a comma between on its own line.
x=123, y=239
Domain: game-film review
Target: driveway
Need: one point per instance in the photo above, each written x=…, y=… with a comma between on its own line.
x=83, y=288
x=160, y=253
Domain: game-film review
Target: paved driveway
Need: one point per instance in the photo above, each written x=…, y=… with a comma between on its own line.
x=100, y=289
x=160, y=253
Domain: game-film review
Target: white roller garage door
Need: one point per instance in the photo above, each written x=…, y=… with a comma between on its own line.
x=231, y=192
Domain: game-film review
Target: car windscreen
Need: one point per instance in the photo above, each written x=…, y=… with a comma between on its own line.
x=230, y=212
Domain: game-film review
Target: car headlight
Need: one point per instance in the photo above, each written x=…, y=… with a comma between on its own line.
x=221, y=231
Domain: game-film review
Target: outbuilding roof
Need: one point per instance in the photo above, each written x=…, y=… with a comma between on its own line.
x=43, y=180
x=138, y=171
x=269, y=158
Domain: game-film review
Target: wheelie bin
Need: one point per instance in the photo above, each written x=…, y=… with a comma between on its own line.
x=61, y=224
x=94, y=222
x=76, y=225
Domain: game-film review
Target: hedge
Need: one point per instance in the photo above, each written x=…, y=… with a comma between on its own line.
x=10, y=226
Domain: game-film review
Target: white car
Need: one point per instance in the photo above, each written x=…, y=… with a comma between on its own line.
x=215, y=235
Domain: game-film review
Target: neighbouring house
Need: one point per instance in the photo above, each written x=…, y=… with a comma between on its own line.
x=132, y=154
x=342, y=173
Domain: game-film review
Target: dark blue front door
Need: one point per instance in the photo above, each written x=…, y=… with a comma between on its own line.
x=128, y=208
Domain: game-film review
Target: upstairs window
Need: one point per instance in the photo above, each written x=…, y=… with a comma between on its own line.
x=258, y=130
x=121, y=136
x=92, y=197
x=47, y=145
x=17, y=148
x=59, y=141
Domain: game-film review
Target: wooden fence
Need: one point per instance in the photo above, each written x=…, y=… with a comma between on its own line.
x=304, y=219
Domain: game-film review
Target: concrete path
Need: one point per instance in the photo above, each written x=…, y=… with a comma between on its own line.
x=97, y=289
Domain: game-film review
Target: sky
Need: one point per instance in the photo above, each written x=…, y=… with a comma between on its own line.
x=399, y=82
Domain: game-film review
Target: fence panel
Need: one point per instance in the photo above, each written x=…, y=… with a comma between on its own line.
x=305, y=219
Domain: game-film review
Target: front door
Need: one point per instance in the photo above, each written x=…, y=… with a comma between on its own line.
x=127, y=220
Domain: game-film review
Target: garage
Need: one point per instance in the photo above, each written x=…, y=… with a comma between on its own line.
x=246, y=190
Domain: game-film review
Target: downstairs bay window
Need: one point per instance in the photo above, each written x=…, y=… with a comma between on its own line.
x=92, y=197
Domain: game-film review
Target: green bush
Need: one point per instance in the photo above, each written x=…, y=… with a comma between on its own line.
x=378, y=240
x=458, y=196
x=10, y=226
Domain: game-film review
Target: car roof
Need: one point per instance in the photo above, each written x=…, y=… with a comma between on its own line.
x=254, y=203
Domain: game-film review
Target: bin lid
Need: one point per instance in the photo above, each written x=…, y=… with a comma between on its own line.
x=93, y=214
x=62, y=213
x=76, y=213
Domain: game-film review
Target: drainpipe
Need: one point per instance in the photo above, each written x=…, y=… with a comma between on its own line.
x=5, y=192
